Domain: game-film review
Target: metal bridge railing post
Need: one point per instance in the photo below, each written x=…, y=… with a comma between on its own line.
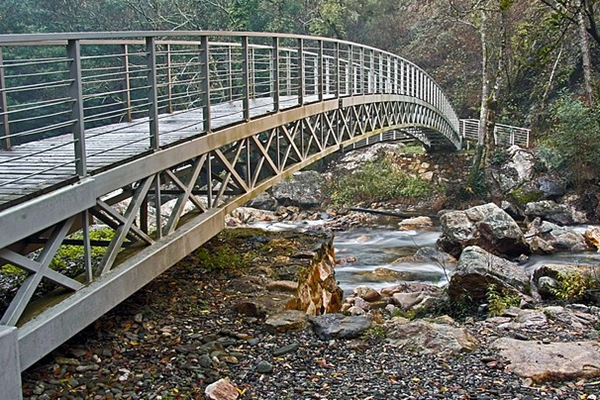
x=10, y=379
x=275, y=78
x=229, y=74
x=362, y=71
x=320, y=83
x=338, y=75
x=169, y=81
x=77, y=114
x=126, y=96
x=205, y=82
x=301, y=72
x=4, y=107
x=152, y=92
x=246, y=78
x=371, y=85
x=395, y=79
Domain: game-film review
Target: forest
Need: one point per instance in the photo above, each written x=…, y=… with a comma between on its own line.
x=521, y=62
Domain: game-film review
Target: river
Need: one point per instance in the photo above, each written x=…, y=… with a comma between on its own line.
x=367, y=255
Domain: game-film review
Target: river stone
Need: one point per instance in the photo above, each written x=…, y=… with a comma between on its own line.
x=545, y=238
x=439, y=336
x=421, y=223
x=477, y=270
x=550, y=362
x=286, y=321
x=222, y=389
x=487, y=226
x=557, y=213
x=339, y=326
x=366, y=293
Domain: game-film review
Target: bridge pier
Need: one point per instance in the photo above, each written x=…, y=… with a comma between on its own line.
x=10, y=378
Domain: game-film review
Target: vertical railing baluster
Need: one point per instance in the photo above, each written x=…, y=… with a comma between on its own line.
x=229, y=73
x=288, y=73
x=252, y=72
x=4, y=107
x=395, y=82
x=338, y=66
x=246, y=78
x=205, y=82
x=77, y=114
x=371, y=84
x=126, y=83
x=319, y=79
x=169, y=81
x=362, y=70
x=152, y=92
x=301, y=72
x=275, y=79
x=350, y=71
x=381, y=88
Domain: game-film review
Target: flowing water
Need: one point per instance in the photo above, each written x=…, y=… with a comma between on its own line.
x=367, y=255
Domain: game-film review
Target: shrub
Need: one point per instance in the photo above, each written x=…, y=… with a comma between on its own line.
x=500, y=300
x=575, y=135
x=377, y=181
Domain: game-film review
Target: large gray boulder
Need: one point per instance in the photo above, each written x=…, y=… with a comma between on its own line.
x=560, y=214
x=516, y=171
x=303, y=189
x=477, y=269
x=546, y=238
x=440, y=336
x=487, y=226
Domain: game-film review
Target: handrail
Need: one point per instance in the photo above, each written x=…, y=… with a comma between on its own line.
x=506, y=135
x=104, y=78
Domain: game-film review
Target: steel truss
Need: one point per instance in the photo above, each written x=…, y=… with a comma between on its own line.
x=203, y=178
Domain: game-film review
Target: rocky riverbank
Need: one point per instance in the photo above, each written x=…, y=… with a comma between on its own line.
x=194, y=328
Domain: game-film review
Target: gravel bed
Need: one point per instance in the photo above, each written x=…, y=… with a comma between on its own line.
x=180, y=333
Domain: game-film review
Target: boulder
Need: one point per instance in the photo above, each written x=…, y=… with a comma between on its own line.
x=552, y=361
x=318, y=292
x=545, y=277
x=487, y=226
x=477, y=270
x=546, y=238
x=302, y=190
x=592, y=235
x=518, y=169
x=366, y=293
x=338, y=326
x=263, y=201
x=291, y=320
x=558, y=213
x=440, y=336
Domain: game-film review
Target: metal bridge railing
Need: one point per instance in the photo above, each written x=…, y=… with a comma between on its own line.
x=60, y=85
x=504, y=135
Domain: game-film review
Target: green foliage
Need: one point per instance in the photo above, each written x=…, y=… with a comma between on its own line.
x=377, y=181
x=374, y=332
x=500, y=300
x=572, y=287
x=500, y=156
x=575, y=136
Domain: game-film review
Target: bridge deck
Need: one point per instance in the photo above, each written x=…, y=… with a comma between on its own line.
x=31, y=169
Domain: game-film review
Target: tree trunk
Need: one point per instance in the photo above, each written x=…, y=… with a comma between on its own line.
x=585, y=55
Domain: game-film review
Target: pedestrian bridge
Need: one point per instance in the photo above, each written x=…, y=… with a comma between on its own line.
x=202, y=120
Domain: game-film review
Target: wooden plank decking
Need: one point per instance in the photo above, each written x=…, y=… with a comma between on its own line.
x=34, y=168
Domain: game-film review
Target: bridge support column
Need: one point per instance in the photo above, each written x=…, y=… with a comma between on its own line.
x=10, y=378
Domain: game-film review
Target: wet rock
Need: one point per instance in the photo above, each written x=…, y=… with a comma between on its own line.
x=477, y=270
x=222, y=389
x=440, y=336
x=415, y=300
x=247, y=215
x=487, y=226
x=553, y=361
x=338, y=326
x=545, y=238
x=421, y=223
x=592, y=235
x=549, y=210
x=410, y=287
x=366, y=293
